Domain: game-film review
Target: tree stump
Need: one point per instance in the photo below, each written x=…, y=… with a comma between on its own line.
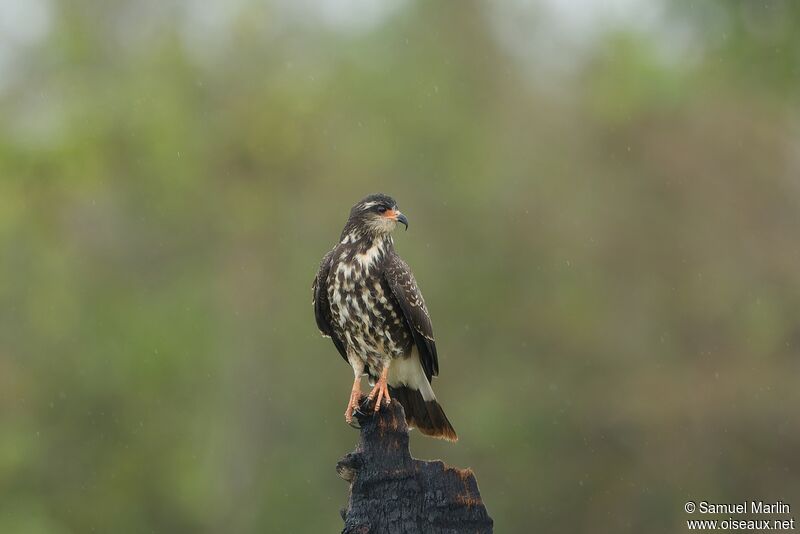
x=393, y=493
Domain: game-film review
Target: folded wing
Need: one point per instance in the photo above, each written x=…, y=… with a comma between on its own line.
x=322, y=308
x=404, y=287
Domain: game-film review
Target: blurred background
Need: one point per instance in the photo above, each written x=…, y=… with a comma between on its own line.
x=604, y=205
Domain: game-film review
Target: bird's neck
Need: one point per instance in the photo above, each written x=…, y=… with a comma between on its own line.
x=364, y=241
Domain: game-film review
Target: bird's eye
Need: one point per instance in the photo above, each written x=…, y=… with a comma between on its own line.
x=381, y=209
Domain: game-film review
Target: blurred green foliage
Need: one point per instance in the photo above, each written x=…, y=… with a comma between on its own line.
x=609, y=251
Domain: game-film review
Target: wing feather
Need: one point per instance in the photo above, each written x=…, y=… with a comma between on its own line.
x=404, y=287
x=322, y=308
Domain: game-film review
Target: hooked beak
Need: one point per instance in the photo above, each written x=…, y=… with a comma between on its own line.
x=395, y=215
x=401, y=219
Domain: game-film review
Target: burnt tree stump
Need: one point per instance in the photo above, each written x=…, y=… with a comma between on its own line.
x=393, y=493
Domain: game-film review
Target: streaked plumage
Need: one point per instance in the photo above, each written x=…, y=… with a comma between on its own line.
x=367, y=301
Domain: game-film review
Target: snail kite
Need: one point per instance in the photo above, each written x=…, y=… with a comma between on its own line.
x=367, y=301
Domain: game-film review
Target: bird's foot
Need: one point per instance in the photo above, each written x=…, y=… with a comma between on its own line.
x=352, y=405
x=380, y=392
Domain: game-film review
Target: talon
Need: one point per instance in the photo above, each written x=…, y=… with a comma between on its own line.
x=380, y=392
x=352, y=404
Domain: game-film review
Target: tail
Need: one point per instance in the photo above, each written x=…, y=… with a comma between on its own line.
x=426, y=416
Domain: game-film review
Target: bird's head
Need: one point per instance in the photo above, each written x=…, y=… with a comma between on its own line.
x=375, y=215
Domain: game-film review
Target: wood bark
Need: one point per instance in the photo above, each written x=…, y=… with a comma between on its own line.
x=393, y=493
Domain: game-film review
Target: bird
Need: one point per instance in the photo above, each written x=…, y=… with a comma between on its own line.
x=367, y=302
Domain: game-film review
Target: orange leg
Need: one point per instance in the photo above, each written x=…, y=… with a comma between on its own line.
x=355, y=397
x=381, y=390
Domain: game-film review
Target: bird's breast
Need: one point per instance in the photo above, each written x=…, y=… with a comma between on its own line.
x=364, y=312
